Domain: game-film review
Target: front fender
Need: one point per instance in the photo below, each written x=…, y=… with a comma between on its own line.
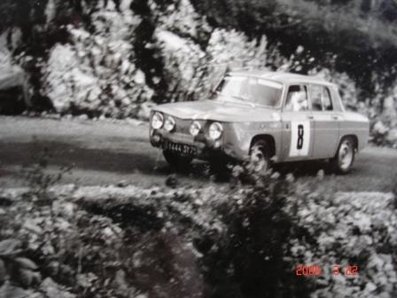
x=238, y=137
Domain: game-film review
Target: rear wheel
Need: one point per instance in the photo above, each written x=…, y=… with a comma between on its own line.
x=260, y=157
x=344, y=158
x=176, y=160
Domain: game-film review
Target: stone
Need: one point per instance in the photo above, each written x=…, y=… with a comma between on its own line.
x=83, y=117
x=171, y=181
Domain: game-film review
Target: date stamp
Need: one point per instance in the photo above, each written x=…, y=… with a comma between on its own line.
x=335, y=270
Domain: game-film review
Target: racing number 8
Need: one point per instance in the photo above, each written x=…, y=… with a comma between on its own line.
x=299, y=145
x=300, y=138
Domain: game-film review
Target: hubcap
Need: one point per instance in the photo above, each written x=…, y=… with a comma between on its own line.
x=258, y=160
x=345, y=155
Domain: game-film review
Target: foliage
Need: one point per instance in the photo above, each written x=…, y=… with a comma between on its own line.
x=214, y=241
x=347, y=229
x=250, y=259
x=360, y=42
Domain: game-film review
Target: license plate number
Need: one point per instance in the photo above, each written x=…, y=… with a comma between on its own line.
x=180, y=148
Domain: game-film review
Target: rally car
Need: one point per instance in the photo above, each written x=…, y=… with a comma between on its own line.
x=264, y=117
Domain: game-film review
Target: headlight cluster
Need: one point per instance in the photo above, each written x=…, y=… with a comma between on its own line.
x=169, y=124
x=158, y=121
x=215, y=131
x=195, y=128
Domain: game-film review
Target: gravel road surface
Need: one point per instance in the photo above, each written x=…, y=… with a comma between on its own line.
x=105, y=152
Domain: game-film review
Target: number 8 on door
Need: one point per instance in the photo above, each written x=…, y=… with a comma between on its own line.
x=300, y=138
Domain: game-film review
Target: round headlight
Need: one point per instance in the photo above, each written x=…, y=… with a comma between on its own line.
x=195, y=128
x=169, y=124
x=157, y=120
x=215, y=130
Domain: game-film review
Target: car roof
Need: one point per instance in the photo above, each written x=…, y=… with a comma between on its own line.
x=282, y=77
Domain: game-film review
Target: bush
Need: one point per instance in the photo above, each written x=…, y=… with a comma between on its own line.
x=213, y=241
x=251, y=258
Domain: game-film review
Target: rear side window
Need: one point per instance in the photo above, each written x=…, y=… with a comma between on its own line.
x=297, y=99
x=321, y=98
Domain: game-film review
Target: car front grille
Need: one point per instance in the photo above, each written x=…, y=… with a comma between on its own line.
x=183, y=125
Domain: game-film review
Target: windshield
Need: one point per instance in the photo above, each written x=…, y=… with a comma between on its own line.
x=253, y=90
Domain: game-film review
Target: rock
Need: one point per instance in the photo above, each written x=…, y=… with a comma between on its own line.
x=320, y=174
x=134, y=122
x=83, y=117
x=171, y=181
x=122, y=183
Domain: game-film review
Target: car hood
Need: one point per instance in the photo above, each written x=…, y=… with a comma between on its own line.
x=218, y=110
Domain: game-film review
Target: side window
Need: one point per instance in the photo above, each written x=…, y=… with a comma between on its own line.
x=315, y=96
x=321, y=98
x=297, y=99
x=327, y=100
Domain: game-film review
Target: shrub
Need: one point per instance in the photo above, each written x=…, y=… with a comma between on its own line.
x=213, y=241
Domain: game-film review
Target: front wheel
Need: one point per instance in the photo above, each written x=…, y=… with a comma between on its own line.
x=176, y=160
x=344, y=158
x=260, y=157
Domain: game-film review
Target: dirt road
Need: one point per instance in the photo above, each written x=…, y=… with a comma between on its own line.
x=105, y=153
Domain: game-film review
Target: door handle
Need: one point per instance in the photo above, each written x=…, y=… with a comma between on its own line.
x=310, y=117
x=335, y=117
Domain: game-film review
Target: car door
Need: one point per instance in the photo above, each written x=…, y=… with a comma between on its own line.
x=325, y=121
x=297, y=124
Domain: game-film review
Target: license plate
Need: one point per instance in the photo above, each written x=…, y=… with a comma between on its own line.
x=180, y=148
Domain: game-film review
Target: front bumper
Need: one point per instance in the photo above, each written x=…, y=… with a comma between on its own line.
x=197, y=147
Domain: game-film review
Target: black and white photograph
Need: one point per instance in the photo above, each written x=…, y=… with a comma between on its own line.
x=198, y=148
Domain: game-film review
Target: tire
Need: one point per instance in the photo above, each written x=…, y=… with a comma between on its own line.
x=175, y=160
x=343, y=161
x=260, y=157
